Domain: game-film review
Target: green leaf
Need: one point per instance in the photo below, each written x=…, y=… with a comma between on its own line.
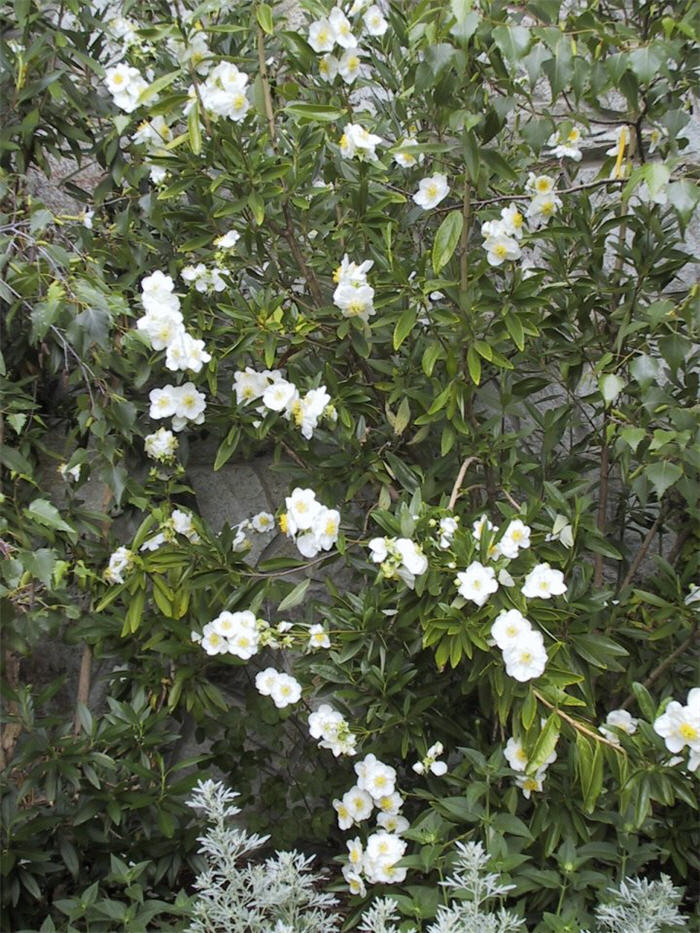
x=647, y=706
x=647, y=62
x=295, y=597
x=589, y=764
x=194, y=130
x=132, y=619
x=515, y=329
x=158, y=85
x=314, y=113
x=257, y=206
x=633, y=437
x=263, y=14
x=404, y=326
x=610, y=387
x=560, y=68
x=662, y=475
x=512, y=41
x=474, y=365
x=545, y=744
x=41, y=511
x=529, y=710
x=446, y=240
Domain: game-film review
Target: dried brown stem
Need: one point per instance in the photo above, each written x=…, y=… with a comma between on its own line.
x=579, y=726
x=641, y=553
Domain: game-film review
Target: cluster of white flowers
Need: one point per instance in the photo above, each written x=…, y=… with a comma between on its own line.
x=179, y=523
x=357, y=142
x=126, y=85
x=523, y=648
x=431, y=191
x=280, y=395
x=163, y=325
x=204, y=279
x=282, y=688
x=236, y=633
x=679, y=726
x=119, y=563
x=313, y=526
x=430, y=763
x=223, y=94
x=353, y=295
x=375, y=787
x=333, y=730
x=618, y=719
x=566, y=144
x=336, y=29
x=399, y=557
x=502, y=238
x=518, y=760
x=183, y=403
x=161, y=445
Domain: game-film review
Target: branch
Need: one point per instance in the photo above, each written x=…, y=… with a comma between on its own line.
x=665, y=664
x=458, y=482
x=641, y=553
x=578, y=725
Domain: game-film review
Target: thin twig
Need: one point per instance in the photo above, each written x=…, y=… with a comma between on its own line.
x=578, y=725
x=641, y=553
x=84, y=680
x=602, y=502
x=665, y=664
x=458, y=482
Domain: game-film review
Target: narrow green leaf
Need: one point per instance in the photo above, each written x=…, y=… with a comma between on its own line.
x=404, y=326
x=295, y=597
x=545, y=744
x=193, y=128
x=474, y=365
x=446, y=239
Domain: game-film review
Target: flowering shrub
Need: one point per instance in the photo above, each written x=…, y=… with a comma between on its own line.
x=429, y=265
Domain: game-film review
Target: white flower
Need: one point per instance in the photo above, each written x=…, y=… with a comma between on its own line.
x=431, y=191
x=185, y=352
x=530, y=783
x=378, y=780
x=378, y=549
x=500, y=247
x=389, y=803
x=302, y=508
x=190, y=403
x=354, y=880
x=223, y=93
x=249, y=385
x=119, y=562
x=382, y=852
x=285, y=691
x=355, y=300
x=542, y=208
x=356, y=140
x=619, y=719
x=213, y=643
x=157, y=293
x=321, y=36
x=125, y=84
x=163, y=402
x=477, y=583
x=280, y=396
x=526, y=659
x=561, y=531
x=154, y=134
x=516, y=537
x=406, y=159
x=509, y=626
x=161, y=445
x=265, y=680
x=309, y=409
x=328, y=69
x=539, y=184
x=566, y=145
x=515, y=754
x=358, y=803
x=342, y=30
x=349, y=65
x=512, y=221
x=72, y=474
x=263, y=522
x=543, y=582
x=183, y=525
x=412, y=557
x=318, y=637
x=394, y=822
x=227, y=240
x=680, y=725
x=448, y=527
x=152, y=544
x=345, y=819
x=375, y=24
x=482, y=524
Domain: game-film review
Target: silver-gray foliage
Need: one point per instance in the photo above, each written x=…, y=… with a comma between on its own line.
x=234, y=895
x=642, y=906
